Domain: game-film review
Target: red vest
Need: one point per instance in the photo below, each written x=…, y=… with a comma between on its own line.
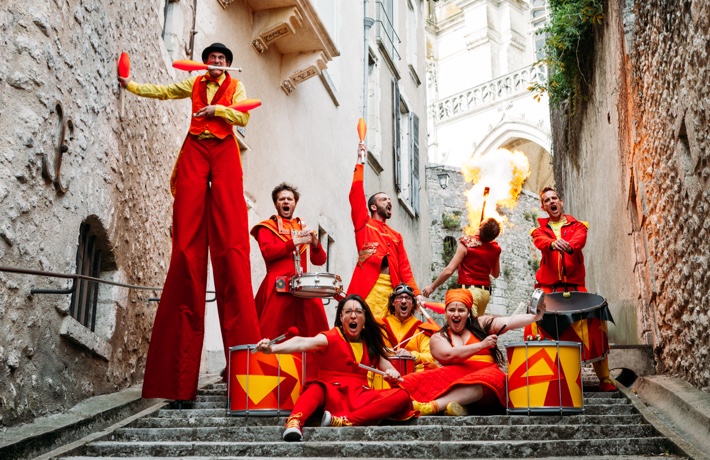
x=478, y=263
x=218, y=126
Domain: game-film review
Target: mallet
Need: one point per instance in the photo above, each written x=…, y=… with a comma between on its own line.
x=291, y=332
x=407, y=340
x=350, y=362
x=190, y=66
x=517, y=310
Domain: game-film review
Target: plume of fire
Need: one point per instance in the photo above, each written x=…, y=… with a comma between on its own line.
x=503, y=172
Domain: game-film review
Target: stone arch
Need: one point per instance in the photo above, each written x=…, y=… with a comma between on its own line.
x=534, y=142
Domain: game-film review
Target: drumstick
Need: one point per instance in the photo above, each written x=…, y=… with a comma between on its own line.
x=517, y=310
x=407, y=340
x=428, y=318
x=292, y=331
x=351, y=362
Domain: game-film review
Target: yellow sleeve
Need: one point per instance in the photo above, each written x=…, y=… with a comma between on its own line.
x=234, y=117
x=179, y=90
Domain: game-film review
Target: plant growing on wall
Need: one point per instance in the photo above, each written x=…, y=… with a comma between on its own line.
x=568, y=42
x=451, y=220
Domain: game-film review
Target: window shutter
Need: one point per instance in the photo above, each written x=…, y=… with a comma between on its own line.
x=414, y=149
x=396, y=137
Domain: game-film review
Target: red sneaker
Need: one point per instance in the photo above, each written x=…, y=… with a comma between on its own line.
x=606, y=385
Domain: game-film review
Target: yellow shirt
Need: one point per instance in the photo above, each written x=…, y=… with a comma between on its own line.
x=418, y=346
x=357, y=350
x=183, y=90
x=557, y=227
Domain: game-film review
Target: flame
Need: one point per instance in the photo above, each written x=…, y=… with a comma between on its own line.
x=503, y=172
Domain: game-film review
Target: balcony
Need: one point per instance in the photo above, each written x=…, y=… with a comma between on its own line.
x=294, y=30
x=506, y=87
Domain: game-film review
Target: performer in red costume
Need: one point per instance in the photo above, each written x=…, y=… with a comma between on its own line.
x=382, y=260
x=466, y=347
x=477, y=258
x=561, y=238
x=209, y=211
x=341, y=387
x=280, y=310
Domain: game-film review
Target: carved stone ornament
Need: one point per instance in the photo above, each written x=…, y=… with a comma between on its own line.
x=274, y=24
x=225, y=3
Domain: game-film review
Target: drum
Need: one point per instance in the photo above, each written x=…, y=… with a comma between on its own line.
x=263, y=384
x=544, y=377
x=403, y=364
x=312, y=285
x=580, y=317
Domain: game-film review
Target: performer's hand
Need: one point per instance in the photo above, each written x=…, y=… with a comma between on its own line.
x=264, y=346
x=302, y=239
x=392, y=375
x=562, y=246
x=403, y=352
x=124, y=81
x=361, y=153
x=205, y=111
x=541, y=309
x=490, y=342
x=426, y=292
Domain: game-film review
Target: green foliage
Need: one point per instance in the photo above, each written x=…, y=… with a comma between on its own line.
x=451, y=220
x=531, y=215
x=569, y=35
x=449, y=249
x=507, y=271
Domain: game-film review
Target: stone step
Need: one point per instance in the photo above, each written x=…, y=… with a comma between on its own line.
x=604, y=457
x=501, y=420
x=207, y=394
x=398, y=449
x=198, y=411
x=414, y=433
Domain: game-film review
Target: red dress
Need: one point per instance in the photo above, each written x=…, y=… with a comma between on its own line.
x=479, y=369
x=343, y=390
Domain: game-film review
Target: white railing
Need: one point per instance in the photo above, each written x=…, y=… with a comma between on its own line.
x=500, y=89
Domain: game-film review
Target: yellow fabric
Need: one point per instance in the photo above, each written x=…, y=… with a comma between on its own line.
x=481, y=297
x=418, y=346
x=379, y=296
x=557, y=226
x=183, y=90
x=357, y=350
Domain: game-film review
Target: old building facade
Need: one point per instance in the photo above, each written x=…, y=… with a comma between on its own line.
x=633, y=160
x=84, y=168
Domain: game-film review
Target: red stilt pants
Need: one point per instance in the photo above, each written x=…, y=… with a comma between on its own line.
x=209, y=211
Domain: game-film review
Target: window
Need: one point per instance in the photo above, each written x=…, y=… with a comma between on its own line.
x=168, y=20
x=386, y=34
x=88, y=263
x=405, y=138
x=374, y=96
x=411, y=34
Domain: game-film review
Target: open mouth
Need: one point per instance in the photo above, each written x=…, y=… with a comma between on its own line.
x=553, y=207
x=456, y=320
x=404, y=309
x=352, y=326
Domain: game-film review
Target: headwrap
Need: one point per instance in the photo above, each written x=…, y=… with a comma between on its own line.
x=459, y=295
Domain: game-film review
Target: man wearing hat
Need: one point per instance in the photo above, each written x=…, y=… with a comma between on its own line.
x=209, y=210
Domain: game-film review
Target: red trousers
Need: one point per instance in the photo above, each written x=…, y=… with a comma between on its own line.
x=314, y=398
x=209, y=212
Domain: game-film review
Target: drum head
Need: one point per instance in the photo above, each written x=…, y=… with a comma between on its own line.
x=577, y=301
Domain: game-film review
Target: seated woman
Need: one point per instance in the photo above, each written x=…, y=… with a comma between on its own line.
x=341, y=386
x=401, y=325
x=466, y=347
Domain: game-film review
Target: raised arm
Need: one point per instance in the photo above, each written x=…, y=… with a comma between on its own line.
x=503, y=324
x=295, y=344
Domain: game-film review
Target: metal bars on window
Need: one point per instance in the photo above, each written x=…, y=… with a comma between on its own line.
x=386, y=29
x=88, y=262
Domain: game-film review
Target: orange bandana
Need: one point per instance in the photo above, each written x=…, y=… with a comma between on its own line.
x=460, y=295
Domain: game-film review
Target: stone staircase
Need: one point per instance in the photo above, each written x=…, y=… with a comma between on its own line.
x=610, y=427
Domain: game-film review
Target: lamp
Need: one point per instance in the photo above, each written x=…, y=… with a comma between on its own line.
x=443, y=180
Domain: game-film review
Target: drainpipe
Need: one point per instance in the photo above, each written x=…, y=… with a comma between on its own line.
x=193, y=32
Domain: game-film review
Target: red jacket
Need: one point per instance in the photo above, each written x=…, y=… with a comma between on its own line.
x=375, y=240
x=551, y=269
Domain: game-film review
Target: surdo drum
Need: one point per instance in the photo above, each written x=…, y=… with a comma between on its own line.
x=578, y=317
x=263, y=384
x=544, y=377
x=403, y=364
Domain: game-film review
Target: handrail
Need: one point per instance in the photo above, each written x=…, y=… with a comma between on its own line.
x=26, y=271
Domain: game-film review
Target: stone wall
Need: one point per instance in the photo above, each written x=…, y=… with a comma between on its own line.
x=637, y=169
x=58, y=66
